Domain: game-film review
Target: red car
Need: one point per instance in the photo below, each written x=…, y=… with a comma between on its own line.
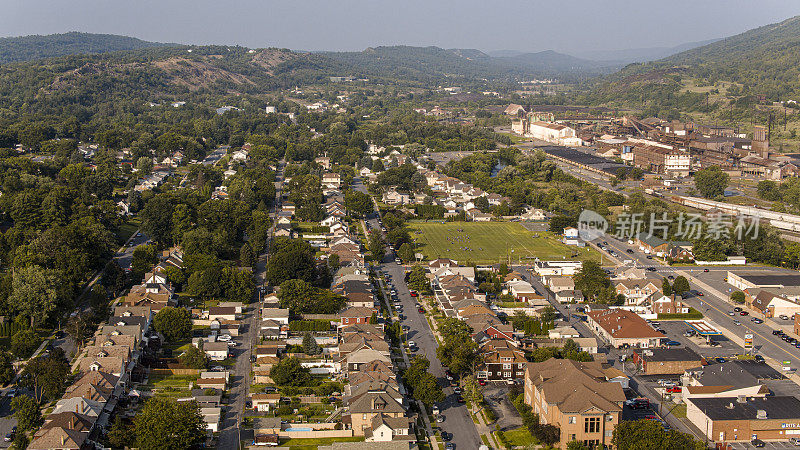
x=421, y=310
x=744, y=313
x=674, y=389
x=414, y=294
x=482, y=382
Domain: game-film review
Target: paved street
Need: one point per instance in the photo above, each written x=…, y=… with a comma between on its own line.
x=458, y=420
x=239, y=392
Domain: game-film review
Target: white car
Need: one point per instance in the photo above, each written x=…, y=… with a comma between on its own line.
x=218, y=369
x=224, y=337
x=412, y=344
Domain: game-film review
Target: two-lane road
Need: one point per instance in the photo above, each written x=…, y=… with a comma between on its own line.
x=457, y=418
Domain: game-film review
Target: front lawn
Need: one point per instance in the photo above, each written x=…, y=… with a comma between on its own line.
x=312, y=444
x=519, y=437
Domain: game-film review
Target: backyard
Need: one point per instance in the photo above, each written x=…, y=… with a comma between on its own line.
x=491, y=242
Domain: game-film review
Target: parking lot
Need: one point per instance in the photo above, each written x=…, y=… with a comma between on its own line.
x=676, y=328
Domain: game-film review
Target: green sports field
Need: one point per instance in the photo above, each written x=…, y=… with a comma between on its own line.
x=491, y=242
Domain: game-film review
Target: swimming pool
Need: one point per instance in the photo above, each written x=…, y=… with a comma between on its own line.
x=299, y=429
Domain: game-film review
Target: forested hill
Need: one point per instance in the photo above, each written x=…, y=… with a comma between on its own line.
x=429, y=62
x=26, y=48
x=764, y=61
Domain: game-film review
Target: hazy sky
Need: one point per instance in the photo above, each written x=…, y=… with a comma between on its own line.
x=533, y=25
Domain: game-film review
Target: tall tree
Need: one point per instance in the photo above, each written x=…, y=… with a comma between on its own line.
x=681, y=285
x=27, y=413
x=164, y=423
x=175, y=324
x=34, y=294
x=711, y=181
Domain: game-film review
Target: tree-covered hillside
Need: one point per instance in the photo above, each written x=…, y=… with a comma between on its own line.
x=26, y=48
x=763, y=63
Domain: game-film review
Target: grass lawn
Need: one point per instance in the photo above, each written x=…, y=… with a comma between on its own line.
x=490, y=242
x=127, y=229
x=679, y=411
x=519, y=437
x=312, y=444
x=162, y=381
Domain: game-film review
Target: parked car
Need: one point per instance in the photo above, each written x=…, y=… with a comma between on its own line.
x=673, y=389
x=440, y=419
x=744, y=313
x=457, y=390
x=705, y=270
x=482, y=382
x=758, y=443
x=447, y=436
x=737, y=309
x=449, y=446
x=719, y=359
x=784, y=317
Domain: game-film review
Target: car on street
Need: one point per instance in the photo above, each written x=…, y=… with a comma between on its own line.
x=218, y=369
x=629, y=251
x=744, y=313
x=776, y=332
x=420, y=310
x=248, y=404
x=651, y=269
x=482, y=382
x=795, y=441
x=757, y=320
x=705, y=270
x=449, y=446
x=224, y=338
x=736, y=322
x=671, y=277
x=457, y=390
x=672, y=343
x=414, y=294
x=737, y=309
x=731, y=313
x=673, y=389
x=412, y=344
x=440, y=419
x=447, y=436
x=719, y=359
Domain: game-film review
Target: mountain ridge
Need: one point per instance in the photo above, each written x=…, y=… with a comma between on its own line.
x=35, y=46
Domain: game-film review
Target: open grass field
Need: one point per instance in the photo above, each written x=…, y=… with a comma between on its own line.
x=491, y=242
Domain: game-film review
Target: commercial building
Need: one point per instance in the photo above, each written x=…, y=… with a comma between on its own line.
x=732, y=419
x=622, y=328
x=666, y=361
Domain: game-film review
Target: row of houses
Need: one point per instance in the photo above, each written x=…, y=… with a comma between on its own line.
x=106, y=366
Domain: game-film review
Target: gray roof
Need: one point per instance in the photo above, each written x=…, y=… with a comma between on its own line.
x=669, y=354
x=727, y=374
x=729, y=408
x=771, y=280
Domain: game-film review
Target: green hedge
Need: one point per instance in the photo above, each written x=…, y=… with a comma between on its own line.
x=692, y=315
x=310, y=325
